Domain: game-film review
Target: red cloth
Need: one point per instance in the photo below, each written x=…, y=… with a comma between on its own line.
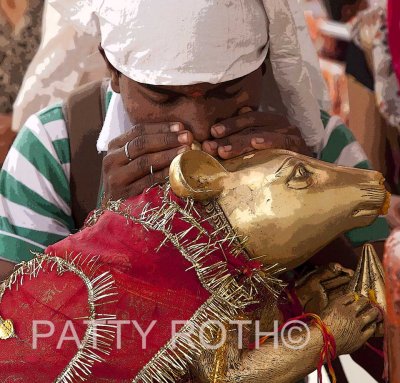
x=394, y=33
x=161, y=286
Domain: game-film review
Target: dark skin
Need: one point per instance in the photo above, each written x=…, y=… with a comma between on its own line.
x=223, y=118
x=167, y=119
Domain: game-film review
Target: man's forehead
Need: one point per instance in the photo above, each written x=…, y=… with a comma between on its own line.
x=193, y=89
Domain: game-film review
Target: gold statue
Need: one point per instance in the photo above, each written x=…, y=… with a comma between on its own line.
x=260, y=194
x=245, y=216
x=273, y=198
x=6, y=329
x=368, y=280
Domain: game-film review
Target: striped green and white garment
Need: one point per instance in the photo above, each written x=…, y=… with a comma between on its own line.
x=34, y=184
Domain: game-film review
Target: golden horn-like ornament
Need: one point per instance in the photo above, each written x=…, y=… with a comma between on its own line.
x=368, y=279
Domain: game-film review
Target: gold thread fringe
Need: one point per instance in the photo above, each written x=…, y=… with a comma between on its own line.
x=228, y=298
x=171, y=362
x=100, y=288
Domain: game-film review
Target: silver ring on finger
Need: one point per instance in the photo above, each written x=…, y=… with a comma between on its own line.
x=126, y=149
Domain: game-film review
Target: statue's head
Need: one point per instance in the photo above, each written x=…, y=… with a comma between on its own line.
x=288, y=205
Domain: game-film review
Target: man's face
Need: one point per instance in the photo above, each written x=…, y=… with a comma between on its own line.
x=198, y=106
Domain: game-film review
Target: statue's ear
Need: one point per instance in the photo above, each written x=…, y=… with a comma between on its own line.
x=196, y=174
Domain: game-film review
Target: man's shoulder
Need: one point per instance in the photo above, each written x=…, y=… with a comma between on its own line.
x=339, y=145
x=48, y=126
x=53, y=113
x=43, y=141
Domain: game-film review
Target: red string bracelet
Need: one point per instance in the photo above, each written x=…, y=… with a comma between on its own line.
x=328, y=351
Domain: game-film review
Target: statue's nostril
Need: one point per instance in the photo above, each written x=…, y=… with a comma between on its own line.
x=386, y=204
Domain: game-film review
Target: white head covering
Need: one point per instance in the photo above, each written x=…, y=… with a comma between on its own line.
x=170, y=42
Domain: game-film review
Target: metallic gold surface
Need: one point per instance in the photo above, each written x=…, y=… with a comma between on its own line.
x=196, y=145
x=368, y=279
x=285, y=364
x=6, y=329
x=228, y=297
x=220, y=360
x=288, y=205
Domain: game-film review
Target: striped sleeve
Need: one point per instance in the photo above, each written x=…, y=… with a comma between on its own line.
x=340, y=147
x=34, y=187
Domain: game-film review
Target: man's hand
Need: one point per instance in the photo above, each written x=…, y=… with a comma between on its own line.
x=253, y=131
x=318, y=288
x=6, y=269
x=151, y=147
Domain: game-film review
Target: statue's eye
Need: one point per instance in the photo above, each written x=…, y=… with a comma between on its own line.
x=301, y=172
x=301, y=178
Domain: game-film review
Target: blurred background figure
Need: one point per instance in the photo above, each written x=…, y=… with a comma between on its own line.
x=358, y=46
x=20, y=33
x=394, y=32
x=374, y=95
x=329, y=26
x=359, y=52
x=66, y=59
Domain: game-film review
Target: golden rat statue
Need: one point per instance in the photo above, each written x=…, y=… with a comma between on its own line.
x=201, y=259
x=287, y=205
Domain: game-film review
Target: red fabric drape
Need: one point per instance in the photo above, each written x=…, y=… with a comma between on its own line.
x=152, y=285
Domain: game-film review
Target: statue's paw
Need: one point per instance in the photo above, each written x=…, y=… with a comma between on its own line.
x=319, y=287
x=352, y=320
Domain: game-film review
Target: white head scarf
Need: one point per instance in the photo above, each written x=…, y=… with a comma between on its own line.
x=170, y=42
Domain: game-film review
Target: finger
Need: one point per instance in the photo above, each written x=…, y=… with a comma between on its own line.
x=337, y=267
x=248, y=120
x=335, y=294
x=231, y=151
x=256, y=138
x=148, y=163
x=332, y=271
x=210, y=147
x=337, y=282
x=275, y=140
x=238, y=143
x=335, y=270
x=347, y=271
x=153, y=143
x=145, y=129
x=361, y=305
x=370, y=316
x=244, y=110
x=347, y=299
x=145, y=183
x=368, y=331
